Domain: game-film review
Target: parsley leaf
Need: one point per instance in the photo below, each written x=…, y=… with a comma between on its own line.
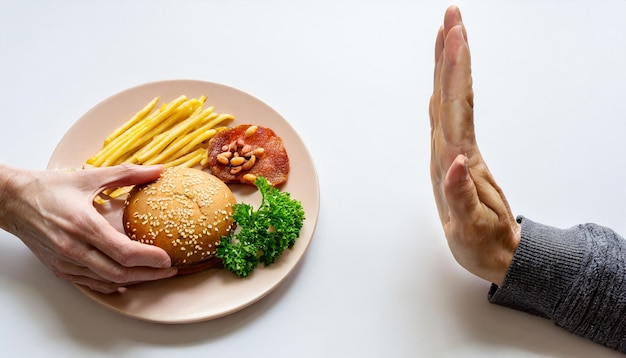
x=263, y=233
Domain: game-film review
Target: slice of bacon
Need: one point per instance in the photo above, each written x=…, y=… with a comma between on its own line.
x=245, y=141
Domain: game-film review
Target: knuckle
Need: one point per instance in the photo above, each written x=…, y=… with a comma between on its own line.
x=68, y=248
x=126, y=255
x=118, y=274
x=60, y=274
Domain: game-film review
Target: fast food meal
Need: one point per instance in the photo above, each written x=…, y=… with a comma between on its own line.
x=245, y=152
x=191, y=213
x=186, y=212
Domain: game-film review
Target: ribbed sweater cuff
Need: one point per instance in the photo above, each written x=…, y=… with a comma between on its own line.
x=544, y=265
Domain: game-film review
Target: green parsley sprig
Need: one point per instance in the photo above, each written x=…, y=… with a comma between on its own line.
x=262, y=234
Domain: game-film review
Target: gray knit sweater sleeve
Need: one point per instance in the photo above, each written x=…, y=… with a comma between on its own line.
x=575, y=277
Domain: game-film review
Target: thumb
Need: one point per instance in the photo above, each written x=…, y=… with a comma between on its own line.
x=460, y=190
x=125, y=174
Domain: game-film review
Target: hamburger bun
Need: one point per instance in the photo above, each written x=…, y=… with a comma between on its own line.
x=185, y=212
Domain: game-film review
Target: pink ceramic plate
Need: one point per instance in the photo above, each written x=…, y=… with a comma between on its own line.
x=213, y=293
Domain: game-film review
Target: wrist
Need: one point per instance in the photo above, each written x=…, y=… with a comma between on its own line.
x=547, y=262
x=505, y=258
x=9, y=185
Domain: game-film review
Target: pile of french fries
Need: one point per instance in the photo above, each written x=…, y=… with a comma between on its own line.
x=171, y=135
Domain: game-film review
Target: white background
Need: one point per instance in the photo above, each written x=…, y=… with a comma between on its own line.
x=354, y=79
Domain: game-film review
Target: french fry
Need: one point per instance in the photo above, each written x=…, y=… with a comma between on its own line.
x=162, y=140
x=120, y=191
x=191, y=140
x=138, y=156
x=185, y=145
x=188, y=160
x=179, y=145
x=133, y=121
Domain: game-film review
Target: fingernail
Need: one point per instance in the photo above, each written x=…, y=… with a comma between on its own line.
x=459, y=21
x=457, y=12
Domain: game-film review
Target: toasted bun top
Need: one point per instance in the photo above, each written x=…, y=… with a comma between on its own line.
x=185, y=212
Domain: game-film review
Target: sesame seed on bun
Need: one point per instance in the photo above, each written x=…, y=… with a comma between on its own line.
x=186, y=212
